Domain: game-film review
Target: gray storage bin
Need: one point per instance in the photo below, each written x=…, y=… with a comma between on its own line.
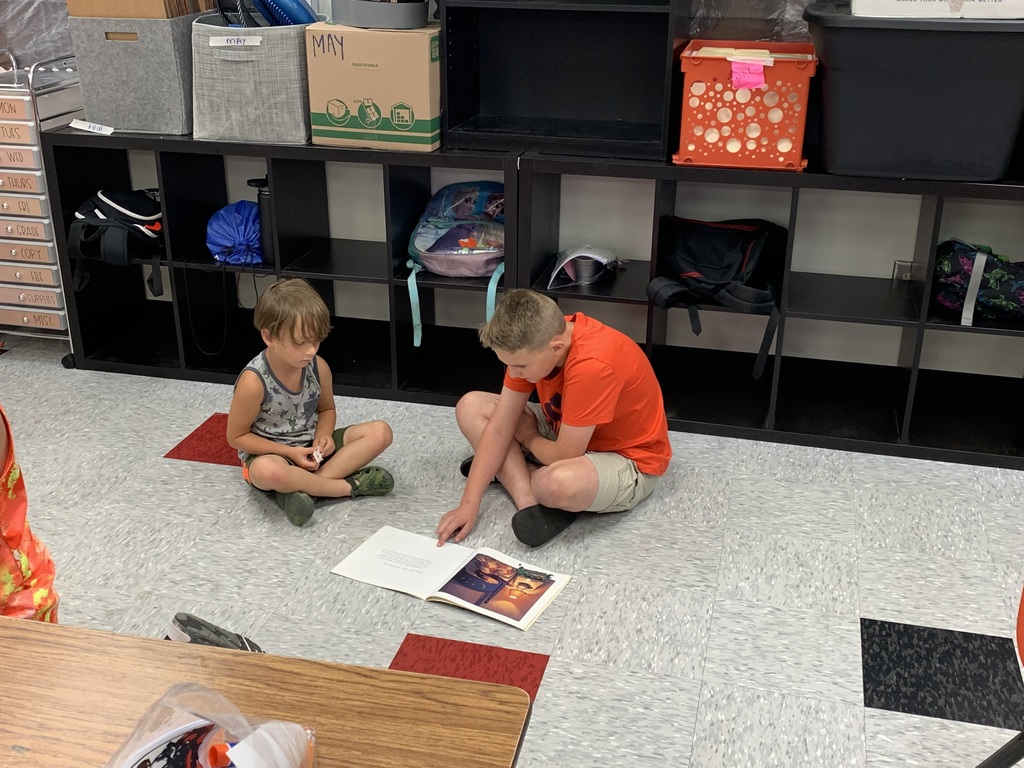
x=255, y=91
x=136, y=73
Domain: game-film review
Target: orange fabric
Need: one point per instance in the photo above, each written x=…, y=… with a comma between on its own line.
x=607, y=381
x=1020, y=628
x=26, y=568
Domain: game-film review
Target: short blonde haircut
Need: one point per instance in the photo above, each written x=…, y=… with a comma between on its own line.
x=524, y=320
x=286, y=302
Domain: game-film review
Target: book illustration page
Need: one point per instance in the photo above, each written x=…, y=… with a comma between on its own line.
x=500, y=585
x=403, y=561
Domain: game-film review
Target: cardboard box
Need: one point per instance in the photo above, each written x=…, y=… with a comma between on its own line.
x=939, y=9
x=137, y=9
x=376, y=88
x=136, y=73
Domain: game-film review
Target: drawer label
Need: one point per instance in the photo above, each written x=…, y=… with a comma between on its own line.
x=20, y=182
x=49, y=299
x=14, y=157
x=37, y=276
x=21, y=206
x=25, y=252
x=30, y=230
x=15, y=109
x=17, y=133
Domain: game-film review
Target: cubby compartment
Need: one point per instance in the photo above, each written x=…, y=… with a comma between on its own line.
x=862, y=397
x=317, y=210
x=449, y=360
x=566, y=210
x=967, y=389
x=591, y=78
x=708, y=380
x=119, y=328
x=193, y=188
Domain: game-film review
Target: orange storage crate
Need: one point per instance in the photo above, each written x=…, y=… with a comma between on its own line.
x=728, y=120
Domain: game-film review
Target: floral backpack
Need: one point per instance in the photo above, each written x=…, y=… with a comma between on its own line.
x=460, y=234
x=971, y=280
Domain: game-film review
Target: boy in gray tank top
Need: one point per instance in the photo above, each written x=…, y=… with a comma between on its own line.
x=282, y=418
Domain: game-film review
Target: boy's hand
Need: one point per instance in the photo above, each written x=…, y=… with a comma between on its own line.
x=457, y=523
x=526, y=427
x=324, y=444
x=303, y=457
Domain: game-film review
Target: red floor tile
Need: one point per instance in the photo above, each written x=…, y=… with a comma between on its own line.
x=471, y=661
x=207, y=444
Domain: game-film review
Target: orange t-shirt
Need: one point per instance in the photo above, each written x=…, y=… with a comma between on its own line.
x=607, y=381
x=26, y=568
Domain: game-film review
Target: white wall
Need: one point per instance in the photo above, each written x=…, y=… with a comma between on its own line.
x=844, y=233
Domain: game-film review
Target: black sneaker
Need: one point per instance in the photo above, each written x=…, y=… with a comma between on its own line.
x=186, y=628
x=538, y=524
x=467, y=464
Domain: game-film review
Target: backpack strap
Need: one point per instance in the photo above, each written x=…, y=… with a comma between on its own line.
x=492, y=289
x=766, y=342
x=414, y=302
x=743, y=298
x=155, y=281
x=973, y=286
x=78, y=234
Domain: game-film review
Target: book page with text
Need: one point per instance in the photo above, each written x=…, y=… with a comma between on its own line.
x=403, y=561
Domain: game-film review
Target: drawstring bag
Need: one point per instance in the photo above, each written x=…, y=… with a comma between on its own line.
x=233, y=234
x=460, y=234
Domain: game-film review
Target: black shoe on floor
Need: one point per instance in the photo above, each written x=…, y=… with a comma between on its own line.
x=467, y=462
x=186, y=628
x=538, y=524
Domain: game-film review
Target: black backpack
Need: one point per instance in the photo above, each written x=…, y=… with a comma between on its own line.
x=736, y=264
x=114, y=227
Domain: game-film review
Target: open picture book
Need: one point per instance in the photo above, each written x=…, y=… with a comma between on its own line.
x=484, y=581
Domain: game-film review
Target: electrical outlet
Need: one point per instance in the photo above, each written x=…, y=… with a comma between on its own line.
x=902, y=270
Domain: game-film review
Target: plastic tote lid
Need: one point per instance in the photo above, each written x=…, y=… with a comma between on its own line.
x=582, y=265
x=837, y=14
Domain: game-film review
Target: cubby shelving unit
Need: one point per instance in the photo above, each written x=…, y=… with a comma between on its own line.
x=895, y=409
x=204, y=333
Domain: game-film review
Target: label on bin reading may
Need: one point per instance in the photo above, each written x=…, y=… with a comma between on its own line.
x=81, y=125
x=224, y=42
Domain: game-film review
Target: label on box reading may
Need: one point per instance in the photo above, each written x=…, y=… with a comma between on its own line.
x=225, y=42
x=81, y=125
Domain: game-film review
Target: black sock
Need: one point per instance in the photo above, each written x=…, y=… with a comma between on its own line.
x=538, y=524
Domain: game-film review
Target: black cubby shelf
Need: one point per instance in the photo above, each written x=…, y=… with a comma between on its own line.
x=203, y=332
x=340, y=259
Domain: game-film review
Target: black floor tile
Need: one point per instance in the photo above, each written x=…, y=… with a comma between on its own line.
x=942, y=673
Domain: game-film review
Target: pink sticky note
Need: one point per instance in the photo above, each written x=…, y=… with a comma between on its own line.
x=747, y=74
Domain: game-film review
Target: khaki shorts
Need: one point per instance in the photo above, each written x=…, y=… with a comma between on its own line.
x=620, y=485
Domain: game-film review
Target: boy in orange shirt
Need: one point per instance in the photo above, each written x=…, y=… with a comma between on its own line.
x=599, y=432
x=26, y=568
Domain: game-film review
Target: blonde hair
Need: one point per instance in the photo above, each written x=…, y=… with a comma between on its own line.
x=524, y=320
x=286, y=302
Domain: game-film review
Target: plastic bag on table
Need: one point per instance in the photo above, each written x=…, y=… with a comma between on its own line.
x=770, y=20
x=35, y=30
x=191, y=725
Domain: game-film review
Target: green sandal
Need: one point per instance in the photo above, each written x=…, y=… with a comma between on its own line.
x=370, y=481
x=297, y=506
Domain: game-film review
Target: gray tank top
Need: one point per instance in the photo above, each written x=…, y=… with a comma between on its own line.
x=285, y=417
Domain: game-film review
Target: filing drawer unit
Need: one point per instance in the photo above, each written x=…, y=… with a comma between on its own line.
x=46, y=95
